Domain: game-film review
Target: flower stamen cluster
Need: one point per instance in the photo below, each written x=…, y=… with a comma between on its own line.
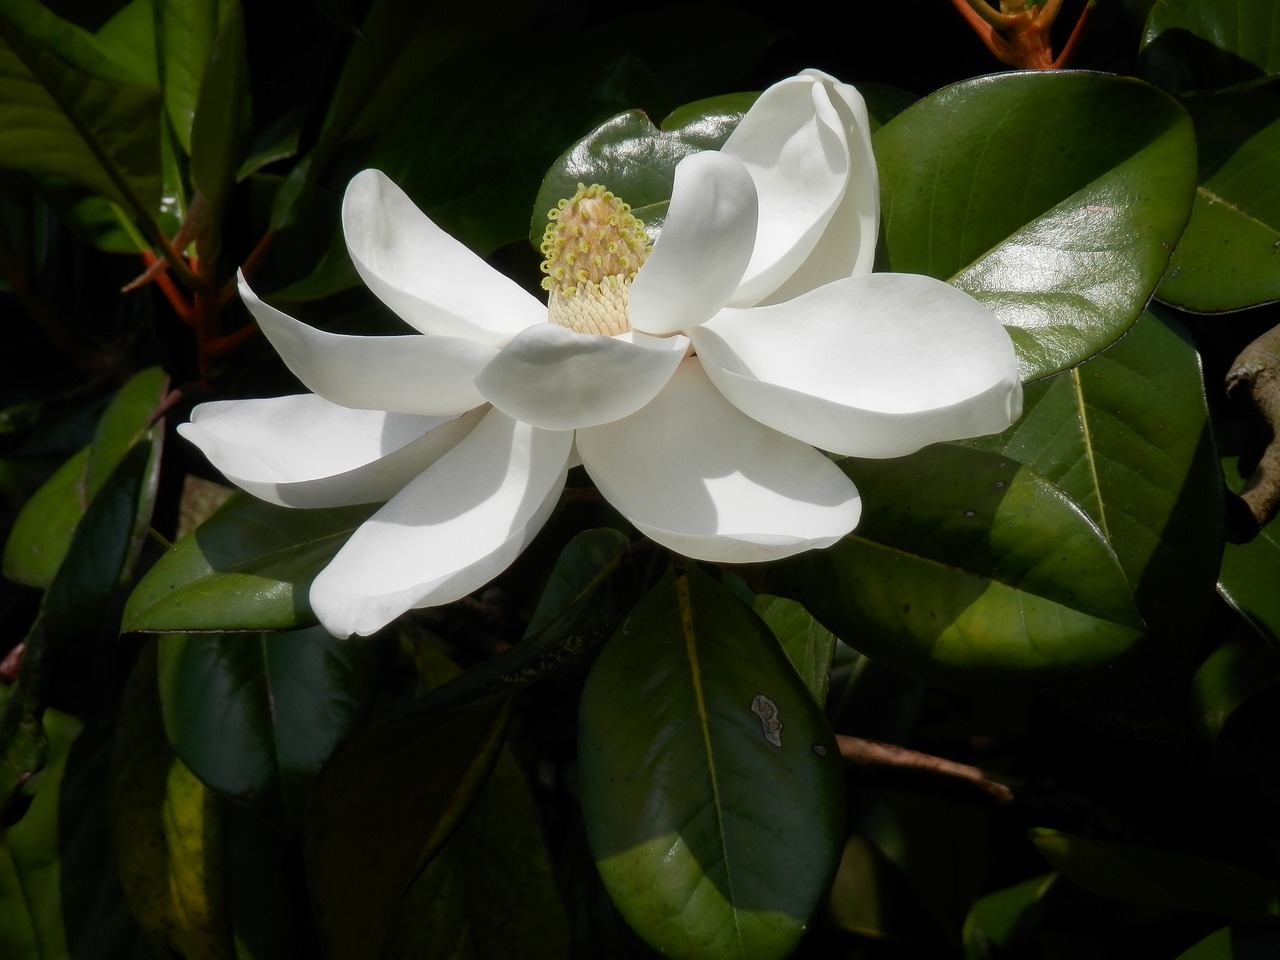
x=592, y=249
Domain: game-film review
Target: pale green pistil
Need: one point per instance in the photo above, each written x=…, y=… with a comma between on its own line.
x=591, y=251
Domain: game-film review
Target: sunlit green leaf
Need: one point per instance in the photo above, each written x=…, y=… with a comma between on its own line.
x=1127, y=437
x=186, y=32
x=255, y=716
x=43, y=530
x=1160, y=878
x=711, y=785
x=1190, y=44
x=247, y=568
x=55, y=119
x=1229, y=255
x=808, y=644
x=1055, y=198
x=969, y=571
x=221, y=117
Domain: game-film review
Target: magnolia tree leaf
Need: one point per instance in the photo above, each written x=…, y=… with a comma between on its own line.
x=247, y=568
x=185, y=34
x=636, y=160
x=1054, y=198
x=1127, y=437
x=42, y=532
x=808, y=644
x=122, y=50
x=969, y=571
x=255, y=716
x=406, y=784
x=1004, y=920
x=491, y=891
x=1250, y=571
x=1190, y=44
x=221, y=120
x=55, y=119
x=1245, y=666
x=1160, y=878
x=711, y=784
x=1229, y=255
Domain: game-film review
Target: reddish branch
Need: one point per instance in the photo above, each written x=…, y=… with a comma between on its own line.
x=1254, y=378
x=1018, y=33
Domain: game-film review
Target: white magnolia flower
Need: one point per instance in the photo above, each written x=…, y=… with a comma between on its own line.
x=693, y=381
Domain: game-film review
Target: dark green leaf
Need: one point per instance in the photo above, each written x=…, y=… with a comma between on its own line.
x=1243, y=666
x=491, y=890
x=255, y=716
x=1160, y=878
x=588, y=556
x=1127, y=437
x=711, y=784
x=998, y=923
x=1055, y=198
x=1250, y=571
x=247, y=568
x=1190, y=44
x=1229, y=255
x=122, y=50
x=404, y=785
x=969, y=571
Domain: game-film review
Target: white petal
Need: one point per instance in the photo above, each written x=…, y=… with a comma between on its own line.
x=430, y=279
x=794, y=144
x=556, y=379
x=847, y=246
x=303, y=451
x=872, y=366
x=694, y=474
x=411, y=374
x=450, y=531
x=704, y=246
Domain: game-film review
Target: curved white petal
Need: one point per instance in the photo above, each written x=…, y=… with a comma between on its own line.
x=703, y=249
x=431, y=280
x=794, y=144
x=847, y=246
x=556, y=379
x=410, y=374
x=872, y=366
x=450, y=531
x=694, y=474
x=303, y=451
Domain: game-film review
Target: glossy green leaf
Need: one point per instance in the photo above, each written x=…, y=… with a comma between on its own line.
x=1191, y=44
x=808, y=644
x=32, y=923
x=55, y=119
x=491, y=891
x=255, y=716
x=1160, y=878
x=222, y=113
x=969, y=571
x=1127, y=437
x=247, y=568
x=1000, y=922
x=1229, y=255
x=43, y=529
x=1250, y=571
x=1055, y=198
x=588, y=556
x=122, y=50
x=1244, y=666
x=637, y=160
x=406, y=783
x=186, y=33
x=711, y=784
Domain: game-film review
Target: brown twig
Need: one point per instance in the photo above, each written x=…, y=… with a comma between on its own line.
x=1254, y=378
x=873, y=754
